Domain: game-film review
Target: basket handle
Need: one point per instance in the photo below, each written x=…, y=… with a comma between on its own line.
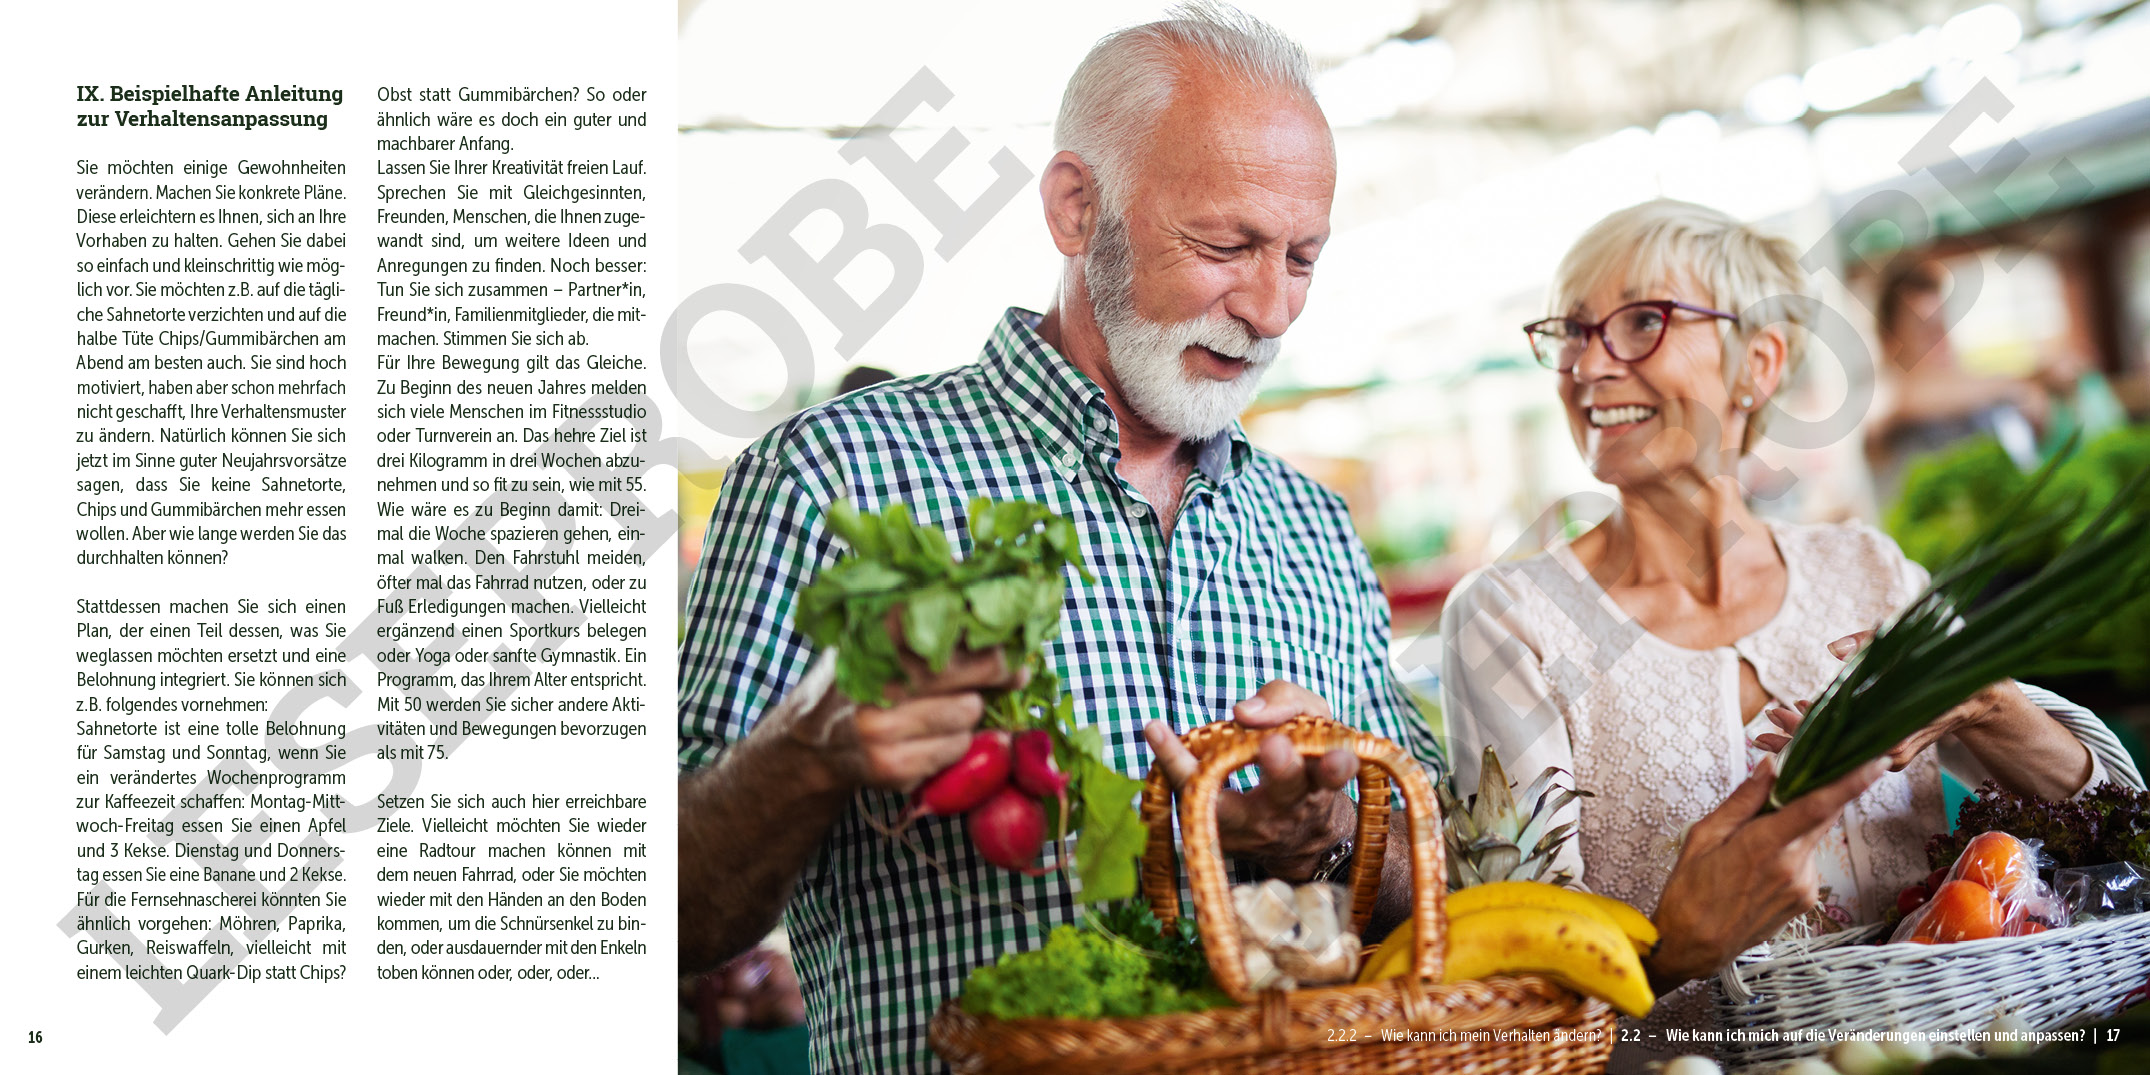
x=1160, y=865
x=1224, y=748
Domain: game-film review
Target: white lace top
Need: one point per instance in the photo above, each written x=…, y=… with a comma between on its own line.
x=1543, y=665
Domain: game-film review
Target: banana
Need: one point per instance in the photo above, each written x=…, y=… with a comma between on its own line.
x=1393, y=958
x=1637, y=926
x=1639, y=929
x=1582, y=951
x=1587, y=941
x=1576, y=948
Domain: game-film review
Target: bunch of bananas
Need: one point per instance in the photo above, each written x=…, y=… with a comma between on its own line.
x=1590, y=943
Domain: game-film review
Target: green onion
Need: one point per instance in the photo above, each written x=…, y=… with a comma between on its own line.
x=1940, y=649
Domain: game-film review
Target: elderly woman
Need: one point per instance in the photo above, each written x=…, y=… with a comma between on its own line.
x=1653, y=656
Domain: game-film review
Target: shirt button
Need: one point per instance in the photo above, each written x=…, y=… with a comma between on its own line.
x=1139, y=511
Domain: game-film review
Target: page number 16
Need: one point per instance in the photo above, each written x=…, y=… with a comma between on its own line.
x=36, y=1037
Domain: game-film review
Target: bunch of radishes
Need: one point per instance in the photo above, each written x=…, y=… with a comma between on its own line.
x=999, y=786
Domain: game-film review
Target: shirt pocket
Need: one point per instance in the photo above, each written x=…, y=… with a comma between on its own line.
x=1329, y=675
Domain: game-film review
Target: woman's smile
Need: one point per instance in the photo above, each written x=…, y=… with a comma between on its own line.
x=1619, y=419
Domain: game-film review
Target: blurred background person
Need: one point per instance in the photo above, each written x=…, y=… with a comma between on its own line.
x=1932, y=401
x=858, y=377
x=747, y=1017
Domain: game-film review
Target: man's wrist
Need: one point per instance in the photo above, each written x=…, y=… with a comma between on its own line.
x=809, y=768
x=1299, y=867
x=1335, y=864
x=806, y=726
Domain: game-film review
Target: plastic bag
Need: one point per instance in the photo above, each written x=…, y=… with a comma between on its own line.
x=2107, y=891
x=1295, y=936
x=1993, y=890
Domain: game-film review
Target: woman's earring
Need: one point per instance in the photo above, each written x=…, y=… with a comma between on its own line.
x=1746, y=403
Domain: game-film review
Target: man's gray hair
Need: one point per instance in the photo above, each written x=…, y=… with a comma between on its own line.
x=1126, y=82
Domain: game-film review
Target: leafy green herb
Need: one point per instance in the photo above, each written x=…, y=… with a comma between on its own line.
x=1176, y=953
x=1944, y=646
x=1007, y=593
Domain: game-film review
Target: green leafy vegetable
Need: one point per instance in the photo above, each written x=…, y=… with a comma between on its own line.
x=1944, y=646
x=1007, y=593
x=2111, y=824
x=1086, y=974
x=1111, y=836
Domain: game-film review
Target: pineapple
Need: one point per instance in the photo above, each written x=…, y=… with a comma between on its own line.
x=1491, y=839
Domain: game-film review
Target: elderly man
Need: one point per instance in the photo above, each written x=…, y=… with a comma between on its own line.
x=1190, y=197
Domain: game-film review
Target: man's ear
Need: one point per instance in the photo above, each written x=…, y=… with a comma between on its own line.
x=1069, y=190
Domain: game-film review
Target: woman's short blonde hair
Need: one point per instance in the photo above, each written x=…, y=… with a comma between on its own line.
x=1660, y=244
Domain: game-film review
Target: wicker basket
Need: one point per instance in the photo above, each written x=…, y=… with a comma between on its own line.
x=1524, y=1024
x=1850, y=982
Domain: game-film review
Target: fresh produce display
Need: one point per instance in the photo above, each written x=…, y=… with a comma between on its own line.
x=982, y=770
x=1007, y=829
x=1120, y=964
x=1491, y=837
x=1949, y=497
x=1526, y=927
x=1007, y=593
x=1586, y=952
x=1998, y=861
x=1954, y=639
x=1960, y=911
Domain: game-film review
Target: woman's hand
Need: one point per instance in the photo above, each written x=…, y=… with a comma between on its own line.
x=2020, y=745
x=1740, y=878
x=1998, y=703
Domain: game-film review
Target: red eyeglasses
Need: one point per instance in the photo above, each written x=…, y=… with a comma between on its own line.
x=1631, y=333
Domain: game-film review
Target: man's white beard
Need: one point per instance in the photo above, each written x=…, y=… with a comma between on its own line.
x=1145, y=355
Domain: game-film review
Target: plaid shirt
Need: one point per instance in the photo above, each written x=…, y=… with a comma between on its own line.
x=1263, y=579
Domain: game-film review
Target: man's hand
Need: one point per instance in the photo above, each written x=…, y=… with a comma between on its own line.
x=925, y=726
x=1740, y=878
x=749, y=823
x=1295, y=814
